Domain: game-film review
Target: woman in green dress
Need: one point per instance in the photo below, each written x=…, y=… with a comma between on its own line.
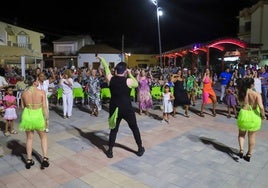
x=250, y=115
x=34, y=118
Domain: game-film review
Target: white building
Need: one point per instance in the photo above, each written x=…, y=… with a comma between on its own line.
x=81, y=50
x=87, y=55
x=253, y=28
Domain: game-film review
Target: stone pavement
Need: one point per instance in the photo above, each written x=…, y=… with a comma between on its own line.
x=190, y=152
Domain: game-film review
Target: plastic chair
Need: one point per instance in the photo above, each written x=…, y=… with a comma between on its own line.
x=105, y=93
x=133, y=93
x=78, y=93
x=156, y=92
x=18, y=97
x=59, y=94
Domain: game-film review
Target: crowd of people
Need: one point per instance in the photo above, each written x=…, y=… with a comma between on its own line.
x=179, y=87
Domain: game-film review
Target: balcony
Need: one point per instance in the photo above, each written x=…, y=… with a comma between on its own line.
x=20, y=45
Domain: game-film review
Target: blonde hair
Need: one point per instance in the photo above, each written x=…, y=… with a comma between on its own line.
x=68, y=72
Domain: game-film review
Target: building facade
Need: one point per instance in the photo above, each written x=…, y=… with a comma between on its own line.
x=87, y=55
x=65, y=49
x=253, y=28
x=19, y=46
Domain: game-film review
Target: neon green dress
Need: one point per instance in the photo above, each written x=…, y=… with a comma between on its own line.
x=32, y=119
x=249, y=119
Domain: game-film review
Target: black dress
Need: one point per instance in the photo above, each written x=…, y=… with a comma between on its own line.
x=180, y=94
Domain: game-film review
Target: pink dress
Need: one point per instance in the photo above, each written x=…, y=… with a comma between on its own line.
x=144, y=94
x=10, y=111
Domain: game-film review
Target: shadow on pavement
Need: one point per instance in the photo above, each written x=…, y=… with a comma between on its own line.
x=220, y=147
x=2, y=126
x=19, y=150
x=84, y=108
x=99, y=139
x=58, y=110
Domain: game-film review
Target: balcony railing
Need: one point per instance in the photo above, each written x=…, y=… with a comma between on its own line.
x=20, y=45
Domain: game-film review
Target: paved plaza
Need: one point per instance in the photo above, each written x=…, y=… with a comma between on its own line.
x=190, y=152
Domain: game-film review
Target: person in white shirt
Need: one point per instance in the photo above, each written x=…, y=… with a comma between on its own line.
x=257, y=81
x=77, y=84
x=3, y=82
x=66, y=83
x=44, y=85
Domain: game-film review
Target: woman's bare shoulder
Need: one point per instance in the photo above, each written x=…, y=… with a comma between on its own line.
x=253, y=94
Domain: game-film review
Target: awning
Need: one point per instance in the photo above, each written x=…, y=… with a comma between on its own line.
x=7, y=52
x=12, y=55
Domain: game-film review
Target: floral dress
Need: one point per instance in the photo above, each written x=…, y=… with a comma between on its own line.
x=94, y=91
x=144, y=94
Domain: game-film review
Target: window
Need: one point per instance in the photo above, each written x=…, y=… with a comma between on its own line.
x=247, y=26
x=96, y=65
x=85, y=64
x=22, y=40
x=111, y=64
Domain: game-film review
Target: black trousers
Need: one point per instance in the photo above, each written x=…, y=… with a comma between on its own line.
x=130, y=118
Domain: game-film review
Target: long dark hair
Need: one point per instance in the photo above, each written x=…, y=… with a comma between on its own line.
x=243, y=84
x=31, y=79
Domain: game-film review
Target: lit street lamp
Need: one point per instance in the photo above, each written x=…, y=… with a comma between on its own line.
x=159, y=13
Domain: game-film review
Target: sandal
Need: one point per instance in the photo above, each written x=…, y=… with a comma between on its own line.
x=247, y=157
x=214, y=114
x=6, y=133
x=13, y=132
x=29, y=163
x=202, y=114
x=45, y=162
x=228, y=116
x=241, y=153
x=187, y=115
x=96, y=112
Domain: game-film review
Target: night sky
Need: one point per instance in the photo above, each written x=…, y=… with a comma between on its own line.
x=184, y=21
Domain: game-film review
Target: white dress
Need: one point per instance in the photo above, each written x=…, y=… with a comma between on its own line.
x=167, y=104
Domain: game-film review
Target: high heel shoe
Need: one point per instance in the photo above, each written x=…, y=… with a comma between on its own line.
x=29, y=163
x=45, y=162
x=241, y=153
x=247, y=157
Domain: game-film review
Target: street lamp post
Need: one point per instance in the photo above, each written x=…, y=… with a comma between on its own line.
x=159, y=13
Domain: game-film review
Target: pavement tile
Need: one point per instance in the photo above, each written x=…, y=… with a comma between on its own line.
x=75, y=183
x=188, y=152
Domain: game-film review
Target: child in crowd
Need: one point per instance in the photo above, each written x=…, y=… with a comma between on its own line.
x=167, y=98
x=231, y=99
x=10, y=111
x=198, y=89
